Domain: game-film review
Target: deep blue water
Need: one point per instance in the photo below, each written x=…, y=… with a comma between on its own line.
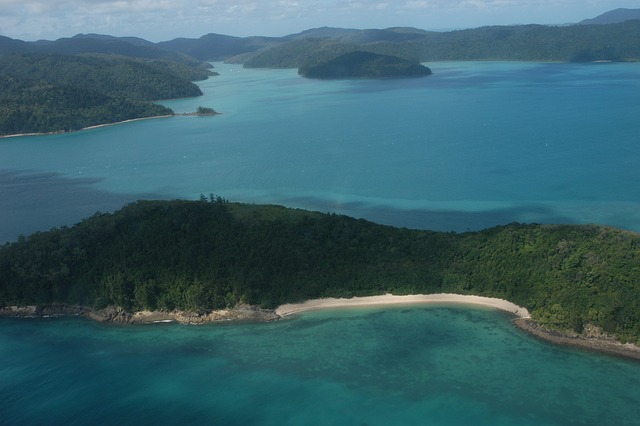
x=441, y=365
x=474, y=145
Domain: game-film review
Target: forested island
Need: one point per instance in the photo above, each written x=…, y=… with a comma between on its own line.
x=200, y=256
x=359, y=64
x=92, y=79
x=44, y=93
x=571, y=43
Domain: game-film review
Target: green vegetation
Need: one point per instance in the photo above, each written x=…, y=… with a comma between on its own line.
x=201, y=255
x=359, y=64
x=49, y=93
x=575, y=43
x=206, y=111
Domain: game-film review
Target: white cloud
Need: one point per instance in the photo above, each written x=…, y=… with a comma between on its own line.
x=166, y=19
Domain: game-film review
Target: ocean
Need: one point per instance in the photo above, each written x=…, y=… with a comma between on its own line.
x=476, y=144
x=436, y=365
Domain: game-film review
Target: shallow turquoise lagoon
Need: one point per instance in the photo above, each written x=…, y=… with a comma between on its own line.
x=443, y=365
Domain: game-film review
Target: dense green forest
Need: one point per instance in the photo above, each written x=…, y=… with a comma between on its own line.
x=48, y=93
x=574, y=43
x=359, y=64
x=207, y=254
x=92, y=79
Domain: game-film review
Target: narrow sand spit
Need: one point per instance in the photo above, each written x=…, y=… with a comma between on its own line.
x=389, y=300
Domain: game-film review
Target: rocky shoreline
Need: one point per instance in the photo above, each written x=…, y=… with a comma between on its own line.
x=117, y=315
x=592, y=339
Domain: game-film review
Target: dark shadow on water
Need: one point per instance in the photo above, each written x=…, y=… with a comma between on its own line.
x=31, y=201
x=435, y=220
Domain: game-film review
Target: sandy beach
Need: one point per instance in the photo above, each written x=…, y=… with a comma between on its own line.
x=97, y=126
x=389, y=300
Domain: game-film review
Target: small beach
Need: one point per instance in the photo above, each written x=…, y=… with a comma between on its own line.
x=598, y=343
x=391, y=300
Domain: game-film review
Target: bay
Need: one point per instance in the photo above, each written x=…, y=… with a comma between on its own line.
x=439, y=365
x=476, y=144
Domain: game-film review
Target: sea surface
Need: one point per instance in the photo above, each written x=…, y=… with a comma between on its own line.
x=474, y=145
x=436, y=365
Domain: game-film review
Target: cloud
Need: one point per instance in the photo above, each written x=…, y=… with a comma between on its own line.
x=166, y=19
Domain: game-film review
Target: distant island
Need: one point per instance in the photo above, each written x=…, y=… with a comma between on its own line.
x=53, y=93
x=359, y=64
x=200, y=112
x=207, y=260
x=91, y=79
x=615, y=16
x=203, y=111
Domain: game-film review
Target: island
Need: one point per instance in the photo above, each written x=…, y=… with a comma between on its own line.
x=360, y=64
x=213, y=260
x=204, y=111
x=55, y=93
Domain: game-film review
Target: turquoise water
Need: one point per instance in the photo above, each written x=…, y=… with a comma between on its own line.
x=474, y=145
x=441, y=365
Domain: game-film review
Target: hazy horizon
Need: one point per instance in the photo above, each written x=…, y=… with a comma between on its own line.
x=162, y=20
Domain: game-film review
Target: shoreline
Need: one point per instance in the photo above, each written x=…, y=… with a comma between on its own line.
x=117, y=315
x=391, y=300
x=97, y=126
x=591, y=340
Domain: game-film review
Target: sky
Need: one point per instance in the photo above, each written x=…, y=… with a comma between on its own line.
x=160, y=20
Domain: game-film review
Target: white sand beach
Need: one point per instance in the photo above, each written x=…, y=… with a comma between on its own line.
x=390, y=300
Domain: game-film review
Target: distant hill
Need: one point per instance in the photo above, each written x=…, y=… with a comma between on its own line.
x=51, y=93
x=322, y=32
x=388, y=35
x=615, y=40
x=9, y=45
x=359, y=64
x=576, y=43
x=149, y=70
x=126, y=46
x=217, y=47
x=89, y=79
x=136, y=41
x=615, y=16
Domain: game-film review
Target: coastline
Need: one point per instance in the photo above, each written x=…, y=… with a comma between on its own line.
x=97, y=126
x=117, y=315
x=592, y=339
x=391, y=300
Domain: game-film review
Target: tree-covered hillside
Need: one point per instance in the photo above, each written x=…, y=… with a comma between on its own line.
x=364, y=65
x=131, y=47
x=112, y=75
x=207, y=254
x=613, y=17
x=576, y=43
x=49, y=93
